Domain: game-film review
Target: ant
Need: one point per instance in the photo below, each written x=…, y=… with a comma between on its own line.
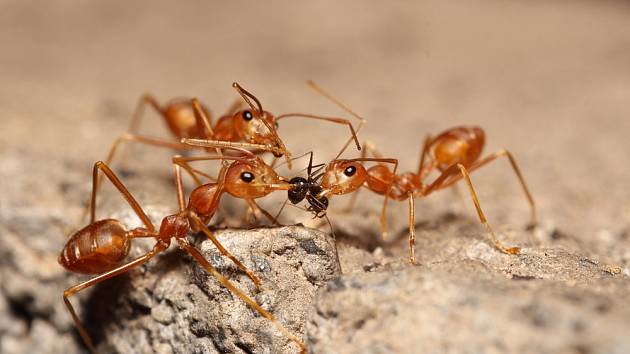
x=246, y=128
x=101, y=246
x=454, y=154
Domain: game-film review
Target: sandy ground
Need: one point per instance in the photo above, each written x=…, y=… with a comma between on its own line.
x=548, y=81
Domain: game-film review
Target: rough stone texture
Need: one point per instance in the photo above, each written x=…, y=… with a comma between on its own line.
x=547, y=80
x=466, y=297
x=174, y=305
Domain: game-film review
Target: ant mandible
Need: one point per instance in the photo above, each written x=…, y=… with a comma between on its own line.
x=101, y=246
x=455, y=153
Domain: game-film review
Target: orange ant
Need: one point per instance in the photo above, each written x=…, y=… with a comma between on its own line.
x=101, y=246
x=252, y=128
x=454, y=153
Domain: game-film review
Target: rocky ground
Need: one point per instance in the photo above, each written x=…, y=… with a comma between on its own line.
x=549, y=81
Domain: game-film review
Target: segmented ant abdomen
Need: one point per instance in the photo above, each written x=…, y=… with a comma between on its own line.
x=379, y=178
x=203, y=200
x=97, y=248
x=181, y=121
x=458, y=145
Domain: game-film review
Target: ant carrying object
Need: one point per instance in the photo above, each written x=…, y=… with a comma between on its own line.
x=454, y=153
x=101, y=247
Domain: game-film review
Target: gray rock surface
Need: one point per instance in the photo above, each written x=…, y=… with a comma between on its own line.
x=467, y=297
x=174, y=306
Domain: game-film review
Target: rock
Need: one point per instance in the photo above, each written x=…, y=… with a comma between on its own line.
x=544, y=301
x=174, y=306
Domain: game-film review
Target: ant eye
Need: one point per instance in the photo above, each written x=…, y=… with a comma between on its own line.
x=247, y=115
x=350, y=171
x=276, y=124
x=247, y=176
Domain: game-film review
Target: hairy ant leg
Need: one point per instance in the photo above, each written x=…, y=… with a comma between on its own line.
x=439, y=184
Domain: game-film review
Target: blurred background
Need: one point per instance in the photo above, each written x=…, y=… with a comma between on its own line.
x=550, y=81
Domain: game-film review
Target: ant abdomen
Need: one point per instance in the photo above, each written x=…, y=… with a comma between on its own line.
x=458, y=145
x=96, y=248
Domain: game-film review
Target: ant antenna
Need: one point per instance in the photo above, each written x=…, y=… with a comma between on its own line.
x=294, y=158
x=246, y=96
x=334, y=236
x=331, y=98
x=280, y=210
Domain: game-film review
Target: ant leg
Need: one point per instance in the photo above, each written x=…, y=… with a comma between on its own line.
x=412, y=230
x=203, y=121
x=231, y=287
x=423, y=156
x=516, y=169
x=255, y=207
x=112, y=273
x=202, y=227
x=141, y=139
x=101, y=166
x=234, y=145
x=147, y=98
x=438, y=184
x=180, y=187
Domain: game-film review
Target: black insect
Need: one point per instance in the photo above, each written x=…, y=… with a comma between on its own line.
x=309, y=189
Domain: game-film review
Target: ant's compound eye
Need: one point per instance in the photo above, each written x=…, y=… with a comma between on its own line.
x=247, y=176
x=247, y=115
x=350, y=171
x=276, y=124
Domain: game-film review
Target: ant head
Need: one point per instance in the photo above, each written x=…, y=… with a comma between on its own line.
x=256, y=128
x=257, y=125
x=342, y=177
x=252, y=179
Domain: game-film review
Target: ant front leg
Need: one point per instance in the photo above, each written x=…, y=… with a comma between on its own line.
x=445, y=177
x=159, y=247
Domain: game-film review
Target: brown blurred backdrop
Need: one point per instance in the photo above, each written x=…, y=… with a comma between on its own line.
x=548, y=80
